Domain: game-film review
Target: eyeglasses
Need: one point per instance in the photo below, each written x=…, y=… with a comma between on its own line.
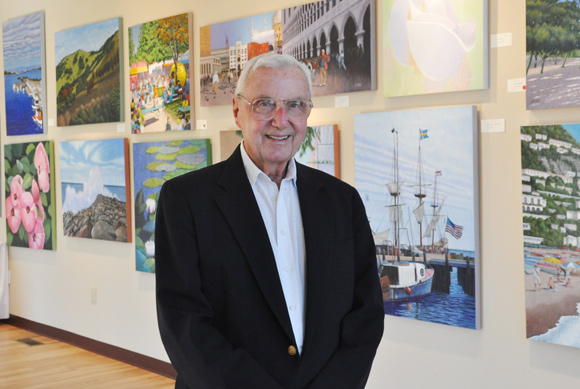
x=265, y=109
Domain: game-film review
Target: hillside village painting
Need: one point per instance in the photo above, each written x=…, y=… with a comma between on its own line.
x=434, y=46
x=334, y=39
x=551, y=227
x=160, y=71
x=153, y=164
x=552, y=55
x=24, y=74
x=30, y=195
x=417, y=173
x=88, y=74
x=96, y=194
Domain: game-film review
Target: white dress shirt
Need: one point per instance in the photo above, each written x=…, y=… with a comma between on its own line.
x=280, y=211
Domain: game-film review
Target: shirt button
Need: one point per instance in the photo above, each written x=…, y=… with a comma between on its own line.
x=292, y=307
x=281, y=232
x=292, y=350
x=287, y=269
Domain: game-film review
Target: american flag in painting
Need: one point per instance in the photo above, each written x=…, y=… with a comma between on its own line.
x=454, y=229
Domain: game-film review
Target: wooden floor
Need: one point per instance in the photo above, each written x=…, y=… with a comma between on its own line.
x=53, y=364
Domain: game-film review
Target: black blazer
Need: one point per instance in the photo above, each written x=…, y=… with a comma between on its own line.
x=221, y=310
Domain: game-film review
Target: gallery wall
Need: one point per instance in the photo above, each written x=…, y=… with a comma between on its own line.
x=54, y=287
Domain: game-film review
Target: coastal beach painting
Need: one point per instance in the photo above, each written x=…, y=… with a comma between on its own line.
x=153, y=164
x=552, y=56
x=30, y=195
x=335, y=40
x=551, y=229
x=88, y=74
x=24, y=74
x=417, y=173
x=434, y=46
x=319, y=150
x=160, y=71
x=96, y=194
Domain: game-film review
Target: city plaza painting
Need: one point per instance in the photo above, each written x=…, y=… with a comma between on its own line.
x=334, y=39
x=24, y=74
x=552, y=55
x=417, y=173
x=433, y=46
x=160, y=69
x=153, y=164
x=88, y=74
x=319, y=150
x=551, y=227
x=96, y=194
x=30, y=195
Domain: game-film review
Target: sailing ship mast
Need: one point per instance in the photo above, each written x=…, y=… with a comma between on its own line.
x=394, y=188
x=430, y=231
x=420, y=194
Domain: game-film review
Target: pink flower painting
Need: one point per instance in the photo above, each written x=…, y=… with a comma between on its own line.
x=29, y=198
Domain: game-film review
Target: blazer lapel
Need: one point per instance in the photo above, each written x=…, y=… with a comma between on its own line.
x=241, y=210
x=318, y=221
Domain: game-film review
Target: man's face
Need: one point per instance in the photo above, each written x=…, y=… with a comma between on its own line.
x=272, y=143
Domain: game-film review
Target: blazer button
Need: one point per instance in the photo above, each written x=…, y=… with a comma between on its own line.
x=292, y=350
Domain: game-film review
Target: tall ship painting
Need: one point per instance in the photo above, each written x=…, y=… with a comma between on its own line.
x=416, y=172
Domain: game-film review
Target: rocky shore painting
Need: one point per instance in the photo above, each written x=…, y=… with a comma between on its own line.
x=24, y=74
x=30, y=195
x=95, y=189
x=88, y=74
x=153, y=164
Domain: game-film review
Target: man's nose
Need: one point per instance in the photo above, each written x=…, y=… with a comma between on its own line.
x=280, y=118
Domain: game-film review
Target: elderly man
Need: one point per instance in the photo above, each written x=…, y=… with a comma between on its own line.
x=266, y=269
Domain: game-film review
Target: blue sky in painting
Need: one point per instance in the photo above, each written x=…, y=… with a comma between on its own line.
x=89, y=37
x=22, y=40
x=574, y=130
x=238, y=30
x=448, y=148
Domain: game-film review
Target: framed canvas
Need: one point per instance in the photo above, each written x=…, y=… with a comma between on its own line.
x=161, y=96
x=24, y=74
x=96, y=194
x=319, y=150
x=334, y=39
x=153, y=164
x=434, y=46
x=552, y=71
x=88, y=74
x=30, y=195
x=417, y=173
x=551, y=221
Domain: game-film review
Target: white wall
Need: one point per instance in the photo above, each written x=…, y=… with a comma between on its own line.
x=54, y=287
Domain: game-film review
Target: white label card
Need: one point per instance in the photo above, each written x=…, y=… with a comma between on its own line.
x=501, y=40
x=516, y=85
x=200, y=124
x=493, y=125
x=341, y=102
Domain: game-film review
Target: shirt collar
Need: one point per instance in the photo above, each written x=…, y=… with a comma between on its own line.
x=253, y=172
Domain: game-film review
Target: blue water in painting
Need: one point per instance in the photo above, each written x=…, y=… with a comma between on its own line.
x=19, y=106
x=466, y=253
x=117, y=191
x=456, y=308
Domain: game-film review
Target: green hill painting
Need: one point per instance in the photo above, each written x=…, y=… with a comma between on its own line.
x=88, y=74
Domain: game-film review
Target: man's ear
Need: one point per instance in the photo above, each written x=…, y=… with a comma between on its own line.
x=236, y=109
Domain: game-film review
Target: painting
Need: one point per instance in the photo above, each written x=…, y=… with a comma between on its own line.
x=335, y=40
x=434, y=46
x=551, y=229
x=160, y=71
x=417, y=173
x=88, y=74
x=319, y=150
x=153, y=164
x=552, y=57
x=24, y=74
x=30, y=195
x=96, y=194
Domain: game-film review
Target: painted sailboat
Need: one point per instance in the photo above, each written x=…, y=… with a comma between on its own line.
x=402, y=277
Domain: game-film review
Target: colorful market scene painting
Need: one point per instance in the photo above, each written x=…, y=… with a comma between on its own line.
x=551, y=229
x=160, y=70
x=88, y=74
x=417, y=173
x=153, y=164
x=24, y=74
x=30, y=195
x=334, y=39
x=434, y=46
x=552, y=55
x=319, y=150
x=96, y=194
